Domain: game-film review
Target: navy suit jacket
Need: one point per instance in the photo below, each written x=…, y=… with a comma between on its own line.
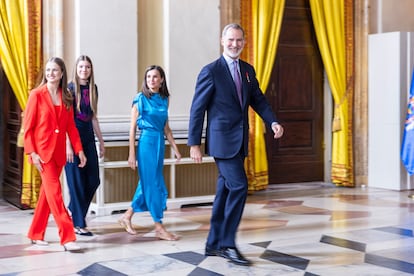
x=227, y=129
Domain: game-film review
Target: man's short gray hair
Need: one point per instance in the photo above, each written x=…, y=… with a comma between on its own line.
x=232, y=26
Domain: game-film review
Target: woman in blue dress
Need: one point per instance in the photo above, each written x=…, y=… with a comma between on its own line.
x=83, y=182
x=150, y=114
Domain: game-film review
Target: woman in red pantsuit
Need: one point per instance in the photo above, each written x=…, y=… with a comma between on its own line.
x=47, y=119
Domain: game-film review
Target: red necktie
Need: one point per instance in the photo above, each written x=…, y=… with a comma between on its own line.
x=237, y=81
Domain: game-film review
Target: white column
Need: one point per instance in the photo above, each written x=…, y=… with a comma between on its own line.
x=52, y=28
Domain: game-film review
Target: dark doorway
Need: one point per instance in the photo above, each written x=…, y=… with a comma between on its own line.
x=2, y=130
x=12, y=155
x=295, y=92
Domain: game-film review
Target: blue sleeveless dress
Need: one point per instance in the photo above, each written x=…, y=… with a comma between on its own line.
x=151, y=193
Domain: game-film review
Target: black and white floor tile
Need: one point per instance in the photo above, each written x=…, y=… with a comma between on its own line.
x=291, y=229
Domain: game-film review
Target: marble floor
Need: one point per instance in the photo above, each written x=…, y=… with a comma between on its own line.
x=292, y=229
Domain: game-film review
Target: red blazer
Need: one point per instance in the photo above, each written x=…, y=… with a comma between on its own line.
x=44, y=131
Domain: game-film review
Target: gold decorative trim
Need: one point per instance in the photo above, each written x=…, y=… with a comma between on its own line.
x=350, y=71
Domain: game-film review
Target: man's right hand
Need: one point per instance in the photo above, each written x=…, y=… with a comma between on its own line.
x=195, y=154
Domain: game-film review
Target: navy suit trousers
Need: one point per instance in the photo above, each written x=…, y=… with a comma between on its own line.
x=229, y=202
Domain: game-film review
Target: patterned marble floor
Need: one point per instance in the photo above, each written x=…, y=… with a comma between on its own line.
x=293, y=229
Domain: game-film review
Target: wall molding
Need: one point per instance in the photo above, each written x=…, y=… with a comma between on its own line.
x=116, y=128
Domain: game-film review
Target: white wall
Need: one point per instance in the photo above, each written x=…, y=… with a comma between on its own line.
x=192, y=39
x=391, y=16
x=107, y=31
x=390, y=61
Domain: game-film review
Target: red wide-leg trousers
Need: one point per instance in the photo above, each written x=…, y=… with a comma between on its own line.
x=51, y=201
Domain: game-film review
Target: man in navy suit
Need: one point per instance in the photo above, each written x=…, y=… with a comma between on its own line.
x=224, y=90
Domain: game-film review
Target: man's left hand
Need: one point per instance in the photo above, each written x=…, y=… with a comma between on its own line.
x=277, y=130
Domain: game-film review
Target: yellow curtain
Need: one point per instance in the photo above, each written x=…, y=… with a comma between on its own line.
x=13, y=44
x=263, y=20
x=20, y=55
x=329, y=21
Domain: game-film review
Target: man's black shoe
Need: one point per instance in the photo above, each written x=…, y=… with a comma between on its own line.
x=212, y=252
x=234, y=256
